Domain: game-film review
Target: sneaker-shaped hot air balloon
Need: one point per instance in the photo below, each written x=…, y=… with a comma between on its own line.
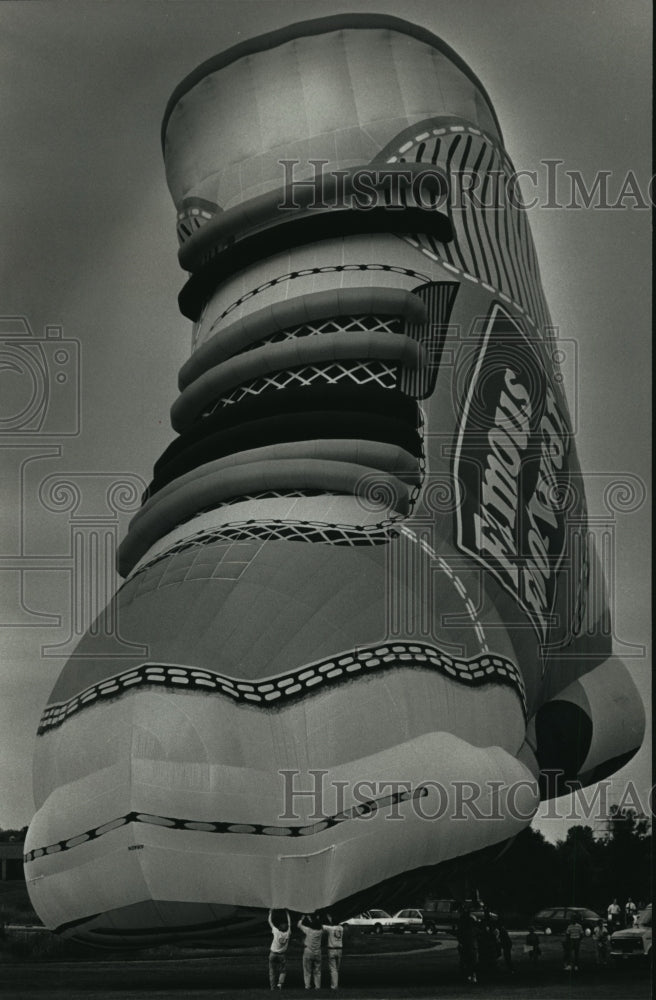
x=362, y=571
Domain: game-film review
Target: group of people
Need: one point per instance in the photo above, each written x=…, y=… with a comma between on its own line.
x=481, y=941
x=574, y=934
x=315, y=929
x=601, y=933
x=625, y=916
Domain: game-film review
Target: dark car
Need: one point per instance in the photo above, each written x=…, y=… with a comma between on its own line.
x=555, y=919
x=444, y=914
x=441, y=915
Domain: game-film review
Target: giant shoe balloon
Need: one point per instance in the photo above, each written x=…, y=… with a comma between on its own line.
x=362, y=570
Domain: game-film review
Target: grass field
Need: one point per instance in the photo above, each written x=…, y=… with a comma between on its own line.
x=373, y=968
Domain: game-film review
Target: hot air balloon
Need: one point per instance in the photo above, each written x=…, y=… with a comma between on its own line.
x=362, y=570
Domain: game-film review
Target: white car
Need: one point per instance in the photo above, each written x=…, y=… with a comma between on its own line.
x=371, y=921
x=634, y=942
x=408, y=920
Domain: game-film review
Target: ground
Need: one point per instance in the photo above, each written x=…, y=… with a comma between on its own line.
x=384, y=968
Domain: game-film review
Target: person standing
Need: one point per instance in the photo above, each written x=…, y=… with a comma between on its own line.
x=533, y=945
x=572, y=944
x=600, y=937
x=487, y=943
x=614, y=916
x=334, y=941
x=506, y=946
x=630, y=910
x=312, y=930
x=467, y=944
x=278, y=951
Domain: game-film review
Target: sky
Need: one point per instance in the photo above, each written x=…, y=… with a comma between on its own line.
x=88, y=262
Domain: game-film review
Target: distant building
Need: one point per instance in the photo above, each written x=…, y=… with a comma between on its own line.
x=11, y=862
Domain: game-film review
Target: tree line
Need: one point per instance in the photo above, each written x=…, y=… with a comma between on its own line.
x=581, y=870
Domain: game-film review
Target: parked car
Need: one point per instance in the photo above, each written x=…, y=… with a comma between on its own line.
x=444, y=914
x=371, y=921
x=555, y=919
x=441, y=915
x=634, y=942
x=408, y=920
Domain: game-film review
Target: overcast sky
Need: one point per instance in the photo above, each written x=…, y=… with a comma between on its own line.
x=89, y=246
